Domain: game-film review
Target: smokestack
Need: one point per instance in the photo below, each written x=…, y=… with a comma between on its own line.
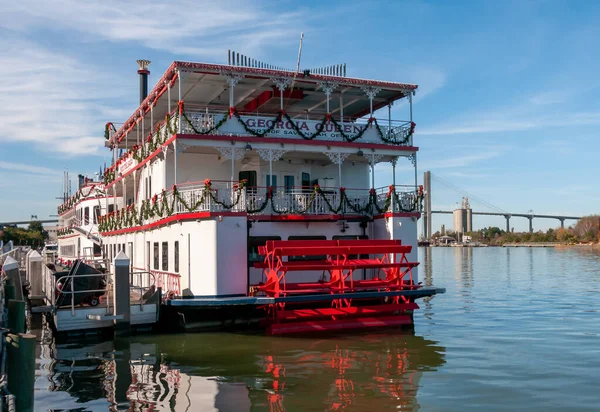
x=143, y=72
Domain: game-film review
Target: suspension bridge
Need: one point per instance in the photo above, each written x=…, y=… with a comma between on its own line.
x=496, y=211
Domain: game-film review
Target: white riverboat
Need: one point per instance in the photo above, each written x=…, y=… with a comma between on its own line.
x=224, y=164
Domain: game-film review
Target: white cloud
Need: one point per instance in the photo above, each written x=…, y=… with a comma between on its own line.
x=27, y=168
x=518, y=119
x=193, y=27
x=50, y=100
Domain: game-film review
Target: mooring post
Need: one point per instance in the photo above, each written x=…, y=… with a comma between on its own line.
x=16, y=316
x=20, y=367
x=11, y=268
x=35, y=274
x=121, y=309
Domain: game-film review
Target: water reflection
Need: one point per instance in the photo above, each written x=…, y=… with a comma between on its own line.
x=224, y=372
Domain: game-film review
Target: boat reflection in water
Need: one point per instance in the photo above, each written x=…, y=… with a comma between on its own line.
x=226, y=372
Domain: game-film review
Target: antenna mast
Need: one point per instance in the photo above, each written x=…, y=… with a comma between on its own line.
x=299, y=54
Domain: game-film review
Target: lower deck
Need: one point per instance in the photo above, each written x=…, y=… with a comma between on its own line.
x=205, y=302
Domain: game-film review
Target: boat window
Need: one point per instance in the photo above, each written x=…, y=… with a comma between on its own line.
x=176, y=256
x=253, y=243
x=96, y=213
x=306, y=181
x=97, y=250
x=288, y=183
x=165, y=256
x=111, y=208
x=149, y=187
x=156, y=257
x=87, y=215
x=319, y=257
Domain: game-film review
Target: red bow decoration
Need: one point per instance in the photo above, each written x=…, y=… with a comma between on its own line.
x=342, y=190
x=180, y=105
x=231, y=111
x=372, y=192
x=269, y=192
x=207, y=182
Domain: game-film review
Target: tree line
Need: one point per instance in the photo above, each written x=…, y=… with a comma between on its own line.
x=34, y=235
x=586, y=230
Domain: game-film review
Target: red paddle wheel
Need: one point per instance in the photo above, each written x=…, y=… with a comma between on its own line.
x=338, y=261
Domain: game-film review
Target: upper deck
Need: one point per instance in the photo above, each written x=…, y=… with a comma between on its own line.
x=236, y=101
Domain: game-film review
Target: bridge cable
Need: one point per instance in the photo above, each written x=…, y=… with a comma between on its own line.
x=468, y=194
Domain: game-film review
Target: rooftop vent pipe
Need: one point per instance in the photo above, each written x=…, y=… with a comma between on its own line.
x=143, y=72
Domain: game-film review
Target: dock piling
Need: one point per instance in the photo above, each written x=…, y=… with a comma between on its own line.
x=11, y=268
x=16, y=316
x=34, y=274
x=122, y=311
x=20, y=368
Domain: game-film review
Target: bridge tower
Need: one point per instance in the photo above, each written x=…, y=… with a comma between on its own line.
x=427, y=224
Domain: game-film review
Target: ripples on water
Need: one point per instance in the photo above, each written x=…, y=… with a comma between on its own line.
x=518, y=329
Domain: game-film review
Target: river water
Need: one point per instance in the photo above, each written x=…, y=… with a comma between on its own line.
x=518, y=329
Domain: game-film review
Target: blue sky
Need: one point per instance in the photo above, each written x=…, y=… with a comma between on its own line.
x=507, y=106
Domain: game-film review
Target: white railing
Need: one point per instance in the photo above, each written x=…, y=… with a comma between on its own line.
x=225, y=197
x=295, y=200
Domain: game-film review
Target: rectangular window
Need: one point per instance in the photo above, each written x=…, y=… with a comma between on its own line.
x=97, y=250
x=146, y=188
x=96, y=214
x=253, y=243
x=319, y=257
x=288, y=182
x=156, y=256
x=149, y=187
x=165, y=256
x=306, y=181
x=87, y=215
x=176, y=256
x=111, y=208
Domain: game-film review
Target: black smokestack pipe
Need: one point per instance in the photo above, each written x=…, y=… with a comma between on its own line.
x=143, y=72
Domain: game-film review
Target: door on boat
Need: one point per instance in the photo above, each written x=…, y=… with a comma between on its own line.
x=250, y=177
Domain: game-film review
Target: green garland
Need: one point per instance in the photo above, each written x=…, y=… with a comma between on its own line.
x=107, y=128
x=64, y=232
x=151, y=208
x=73, y=200
x=212, y=129
x=154, y=141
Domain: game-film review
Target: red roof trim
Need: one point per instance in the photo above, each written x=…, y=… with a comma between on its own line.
x=313, y=77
